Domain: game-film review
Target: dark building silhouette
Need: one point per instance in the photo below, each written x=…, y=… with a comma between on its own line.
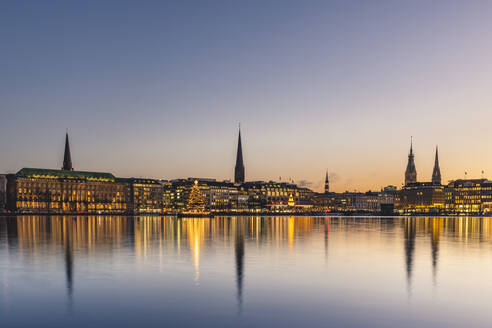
x=239, y=169
x=436, y=173
x=327, y=184
x=67, y=158
x=411, y=171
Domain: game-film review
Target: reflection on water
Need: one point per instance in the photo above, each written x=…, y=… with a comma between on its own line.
x=304, y=263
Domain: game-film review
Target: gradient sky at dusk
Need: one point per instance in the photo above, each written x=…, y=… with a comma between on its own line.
x=157, y=88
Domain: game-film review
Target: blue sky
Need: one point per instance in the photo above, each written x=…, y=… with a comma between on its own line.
x=157, y=88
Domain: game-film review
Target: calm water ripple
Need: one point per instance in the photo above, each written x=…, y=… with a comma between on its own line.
x=245, y=271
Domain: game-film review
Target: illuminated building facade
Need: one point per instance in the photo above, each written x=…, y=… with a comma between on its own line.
x=420, y=197
x=223, y=196
x=144, y=196
x=219, y=196
x=469, y=197
x=372, y=202
x=64, y=191
x=180, y=192
x=167, y=197
x=366, y=202
x=279, y=196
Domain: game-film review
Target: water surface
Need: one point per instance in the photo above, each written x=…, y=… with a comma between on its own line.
x=245, y=271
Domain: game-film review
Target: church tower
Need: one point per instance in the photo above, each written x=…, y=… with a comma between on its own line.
x=327, y=184
x=239, y=169
x=436, y=173
x=411, y=171
x=67, y=159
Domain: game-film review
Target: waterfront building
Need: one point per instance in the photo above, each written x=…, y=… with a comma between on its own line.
x=436, y=173
x=469, y=197
x=411, y=171
x=373, y=202
x=33, y=190
x=145, y=196
x=326, y=202
x=387, y=199
x=64, y=191
x=279, y=196
x=219, y=196
x=180, y=192
x=239, y=168
x=366, y=202
x=3, y=192
x=223, y=196
x=167, y=197
x=420, y=197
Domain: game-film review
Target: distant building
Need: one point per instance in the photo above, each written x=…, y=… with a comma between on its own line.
x=411, y=171
x=420, y=197
x=365, y=202
x=279, y=196
x=469, y=197
x=239, y=168
x=372, y=202
x=167, y=197
x=145, y=196
x=3, y=192
x=219, y=196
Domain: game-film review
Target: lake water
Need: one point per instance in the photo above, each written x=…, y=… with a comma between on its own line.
x=245, y=272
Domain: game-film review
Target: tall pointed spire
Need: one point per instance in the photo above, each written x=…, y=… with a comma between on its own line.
x=327, y=183
x=436, y=173
x=239, y=169
x=411, y=171
x=67, y=159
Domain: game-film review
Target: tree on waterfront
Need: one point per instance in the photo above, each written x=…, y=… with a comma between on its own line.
x=196, y=201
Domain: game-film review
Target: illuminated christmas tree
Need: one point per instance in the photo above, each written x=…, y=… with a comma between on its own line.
x=196, y=201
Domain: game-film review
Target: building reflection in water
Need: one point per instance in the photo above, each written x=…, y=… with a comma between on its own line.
x=68, y=232
x=327, y=236
x=157, y=237
x=409, y=240
x=239, y=256
x=435, y=233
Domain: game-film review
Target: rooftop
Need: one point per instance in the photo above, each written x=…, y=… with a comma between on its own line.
x=62, y=174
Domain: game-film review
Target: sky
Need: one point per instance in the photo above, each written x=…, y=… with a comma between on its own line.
x=157, y=88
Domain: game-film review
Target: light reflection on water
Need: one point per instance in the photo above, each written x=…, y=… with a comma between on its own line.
x=245, y=271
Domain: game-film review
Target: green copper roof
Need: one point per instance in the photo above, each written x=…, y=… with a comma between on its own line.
x=61, y=174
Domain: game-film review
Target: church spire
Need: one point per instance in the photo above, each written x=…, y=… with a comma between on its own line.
x=327, y=183
x=67, y=159
x=239, y=169
x=436, y=173
x=411, y=171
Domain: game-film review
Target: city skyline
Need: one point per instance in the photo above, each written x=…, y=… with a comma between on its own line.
x=238, y=176
x=280, y=163
x=315, y=86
